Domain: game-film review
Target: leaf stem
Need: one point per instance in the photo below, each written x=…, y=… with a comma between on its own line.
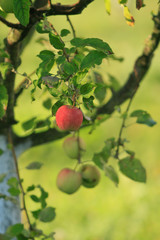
x=73, y=30
x=25, y=82
x=122, y=127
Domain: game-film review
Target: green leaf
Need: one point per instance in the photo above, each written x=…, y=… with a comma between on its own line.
x=3, y=95
x=47, y=214
x=36, y=213
x=3, y=54
x=47, y=103
x=106, y=151
x=132, y=168
x=3, y=14
x=48, y=59
x=46, y=55
x=60, y=60
x=92, y=58
x=43, y=197
x=14, y=191
x=56, y=41
x=35, y=198
x=13, y=182
x=123, y=1
x=31, y=188
x=131, y=153
x=29, y=125
x=50, y=81
x=64, y=32
x=3, y=100
x=96, y=43
x=98, y=159
x=111, y=174
x=43, y=123
x=15, y=230
x=21, y=10
x=4, y=67
x=108, y=6
x=25, y=233
x=34, y=165
x=2, y=177
x=1, y=151
x=68, y=68
x=55, y=107
x=88, y=103
x=100, y=93
x=102, y=157
x=143, y=117
x=2, y=111
x=86, y=88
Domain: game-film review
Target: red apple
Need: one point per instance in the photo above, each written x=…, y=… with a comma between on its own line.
x=68, y=180
x=90, y=175
x=74, y=147
x=69, y=118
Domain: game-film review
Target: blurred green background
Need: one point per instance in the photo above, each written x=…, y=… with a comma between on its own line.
x=131, y=211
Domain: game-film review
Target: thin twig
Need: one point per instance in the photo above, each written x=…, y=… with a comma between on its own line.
x=73, y=30
x=56, y=33
x=25, y=79
x=18, y=175
x=122, y=127
x=12, y=25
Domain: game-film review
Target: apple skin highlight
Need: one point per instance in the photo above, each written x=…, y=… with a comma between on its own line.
x=69, y=118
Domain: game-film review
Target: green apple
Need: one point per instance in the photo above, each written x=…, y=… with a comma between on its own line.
x=7, y=5
x=90, y=175
x=68, y=180
x=74, y=147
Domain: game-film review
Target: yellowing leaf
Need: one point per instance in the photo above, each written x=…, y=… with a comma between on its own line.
x=108, y=6
x=129, y=18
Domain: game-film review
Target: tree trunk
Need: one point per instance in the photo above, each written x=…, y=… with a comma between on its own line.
x=10, y=212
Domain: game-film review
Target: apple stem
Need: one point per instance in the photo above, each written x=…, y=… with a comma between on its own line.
x=74, y=100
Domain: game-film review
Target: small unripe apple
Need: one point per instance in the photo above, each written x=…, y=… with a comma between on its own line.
x=90, y=175
x=74, y=147
x=7, y=5
x=69, y=118
x=68, y=180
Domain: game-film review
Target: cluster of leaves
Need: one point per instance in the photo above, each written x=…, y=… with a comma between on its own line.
x=21, y=10
x=44, y=213
x=70, y=83
x=129, y=165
